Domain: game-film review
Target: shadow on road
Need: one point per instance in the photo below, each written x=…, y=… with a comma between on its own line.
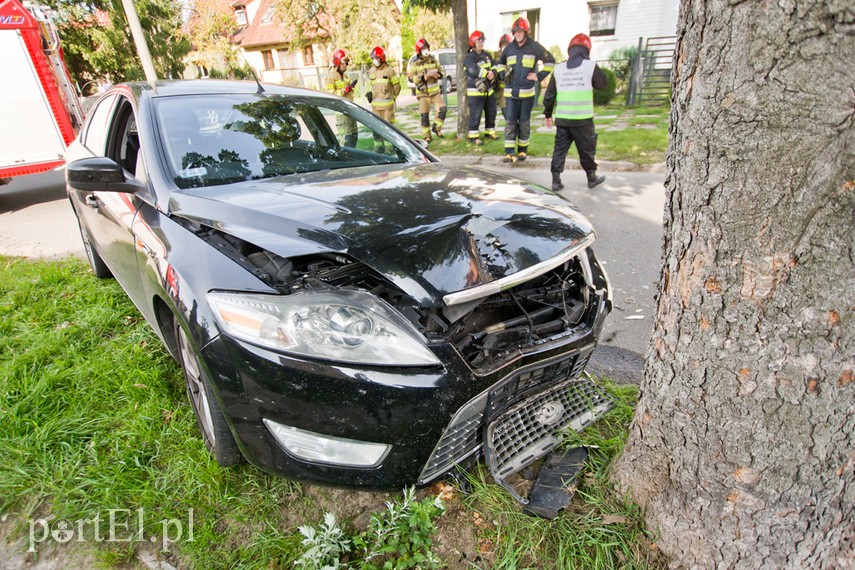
x=25, y=191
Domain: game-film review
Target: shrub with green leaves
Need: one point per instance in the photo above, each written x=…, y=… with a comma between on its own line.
x=620, y=62
x=604, y=96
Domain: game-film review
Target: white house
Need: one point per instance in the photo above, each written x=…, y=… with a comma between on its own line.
x=610, y=23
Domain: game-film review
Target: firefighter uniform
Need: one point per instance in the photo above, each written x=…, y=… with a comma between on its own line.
x=338, y=84
x=428, y=92
x=481, y=94
x=385, y=87
x=516, y=62
x=500, y=85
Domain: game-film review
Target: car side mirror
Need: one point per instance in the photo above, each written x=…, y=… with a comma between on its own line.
x=99, y=174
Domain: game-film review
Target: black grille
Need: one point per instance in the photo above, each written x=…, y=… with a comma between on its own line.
x=529, y=430
x=464, y=435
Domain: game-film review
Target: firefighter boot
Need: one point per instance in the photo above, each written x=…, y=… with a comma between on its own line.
x=593, y=179
x=437, y=129
x=556, y=182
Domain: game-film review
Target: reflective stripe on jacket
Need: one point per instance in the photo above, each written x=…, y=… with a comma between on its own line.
x=477, y=65
x=385, y=86
x=518, y=61
x=337, y=82
x=417, y=73
x=575, y=95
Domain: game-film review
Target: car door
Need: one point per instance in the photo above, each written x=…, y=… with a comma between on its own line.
x=109, y=216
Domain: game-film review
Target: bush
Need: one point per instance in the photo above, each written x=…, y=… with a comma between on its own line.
x=604, y=96
x=620, y=61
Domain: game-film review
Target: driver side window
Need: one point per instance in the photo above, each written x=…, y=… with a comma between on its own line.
x=124, y=143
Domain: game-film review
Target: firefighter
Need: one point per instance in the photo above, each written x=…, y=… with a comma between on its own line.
x=518, y=62
x=426, y=74
x=500, y=87
x=480, y=85
x=338, y=84
x=385, y=87
x=570, y=94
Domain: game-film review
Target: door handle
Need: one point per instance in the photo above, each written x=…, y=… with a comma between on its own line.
x=91, y=200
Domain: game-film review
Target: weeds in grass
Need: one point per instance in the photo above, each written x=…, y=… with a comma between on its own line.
x=399, y=537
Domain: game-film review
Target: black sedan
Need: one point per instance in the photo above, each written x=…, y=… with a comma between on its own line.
x=346, y=309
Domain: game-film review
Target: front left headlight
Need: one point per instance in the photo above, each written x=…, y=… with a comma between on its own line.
x=344, y=326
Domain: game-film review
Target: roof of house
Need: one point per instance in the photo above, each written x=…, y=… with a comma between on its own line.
x=267, y=28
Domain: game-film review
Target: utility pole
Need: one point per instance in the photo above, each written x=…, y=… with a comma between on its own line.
x=139, y=40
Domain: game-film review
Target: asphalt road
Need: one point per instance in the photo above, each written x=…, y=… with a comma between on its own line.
x=626, y=210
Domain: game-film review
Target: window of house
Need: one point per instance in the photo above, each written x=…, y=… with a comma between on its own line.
x=308, y=56
x=603, y=19
x=268, y=16
x=268, y=59
x=240, y=15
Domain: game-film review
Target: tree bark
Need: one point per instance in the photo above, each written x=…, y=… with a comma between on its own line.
x=742, y=449
x=461, y=45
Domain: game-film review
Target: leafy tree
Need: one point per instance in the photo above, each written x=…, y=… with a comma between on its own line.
x=347, y=23
x=461, y=44
x=210, y=30
x=742, y=449
x=437, y=27
x=96, y=38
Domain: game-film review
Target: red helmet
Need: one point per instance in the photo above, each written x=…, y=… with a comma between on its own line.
x=521, y=25
x=421, y=44
x=580, y=40
x=504, y=40
x=474, y=37
x=338, y=56
x=378, y=53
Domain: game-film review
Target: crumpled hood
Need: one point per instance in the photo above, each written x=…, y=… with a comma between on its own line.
x=430, y=229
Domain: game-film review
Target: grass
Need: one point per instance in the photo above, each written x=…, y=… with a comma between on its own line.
x=644, y=139
x=95, y=417
x=600, y=530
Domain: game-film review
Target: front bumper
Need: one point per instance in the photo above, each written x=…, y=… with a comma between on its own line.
x=433, y=418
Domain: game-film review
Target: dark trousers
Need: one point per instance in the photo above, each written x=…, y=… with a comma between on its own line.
x=586, y=143
x=518, y=125
x=478, y=105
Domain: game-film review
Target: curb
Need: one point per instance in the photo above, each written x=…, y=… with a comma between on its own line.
x=539, y=162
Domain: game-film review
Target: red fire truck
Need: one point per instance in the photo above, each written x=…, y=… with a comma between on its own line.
x=39, y=109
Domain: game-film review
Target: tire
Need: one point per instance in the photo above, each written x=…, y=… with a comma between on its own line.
x=212, y=422
x=96, y=264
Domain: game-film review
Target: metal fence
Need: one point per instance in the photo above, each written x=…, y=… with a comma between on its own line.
x=650, y=80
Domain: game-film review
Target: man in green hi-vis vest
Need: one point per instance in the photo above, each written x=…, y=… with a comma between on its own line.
x=571, y=95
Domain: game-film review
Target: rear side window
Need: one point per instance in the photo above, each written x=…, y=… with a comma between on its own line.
x=96, y=130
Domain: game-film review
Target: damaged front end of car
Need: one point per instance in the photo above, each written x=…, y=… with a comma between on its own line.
x=478, y=352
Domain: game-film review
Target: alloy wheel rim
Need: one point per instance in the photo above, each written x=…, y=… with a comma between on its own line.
x=196, y=387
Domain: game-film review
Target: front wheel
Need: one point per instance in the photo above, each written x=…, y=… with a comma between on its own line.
x=99, y=268
x=212, y=422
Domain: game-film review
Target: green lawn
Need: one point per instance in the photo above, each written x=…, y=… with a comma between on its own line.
x=643, y=139
x=95, y=419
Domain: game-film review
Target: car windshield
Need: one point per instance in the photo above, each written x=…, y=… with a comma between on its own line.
x=227, y=138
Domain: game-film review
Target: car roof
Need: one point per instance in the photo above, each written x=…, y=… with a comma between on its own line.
x=171, y=88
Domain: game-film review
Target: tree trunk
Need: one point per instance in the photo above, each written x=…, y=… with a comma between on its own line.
x=461, y=45
x=742, y=449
